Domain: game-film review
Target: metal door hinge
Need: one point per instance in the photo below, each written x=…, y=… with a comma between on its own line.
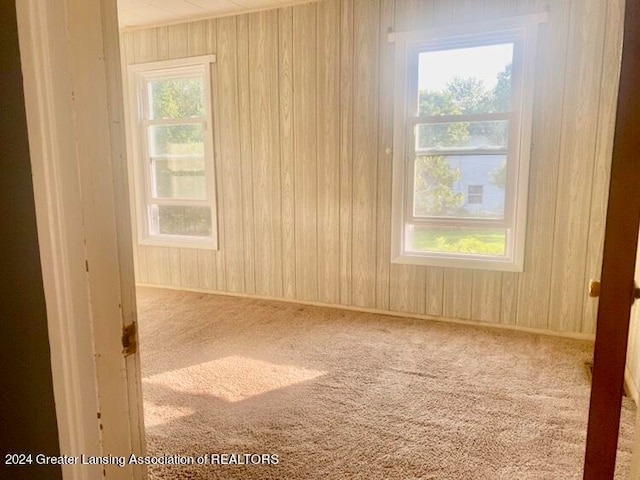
x=129, y=339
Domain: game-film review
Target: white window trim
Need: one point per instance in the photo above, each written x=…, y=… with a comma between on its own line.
x=524, y=29
x=138, y=75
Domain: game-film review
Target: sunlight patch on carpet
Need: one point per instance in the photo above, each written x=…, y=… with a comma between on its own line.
x=232, y=378
x=155, y=415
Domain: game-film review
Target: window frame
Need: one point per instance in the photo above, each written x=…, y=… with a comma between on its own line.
x=522, y=32
x=140, y=75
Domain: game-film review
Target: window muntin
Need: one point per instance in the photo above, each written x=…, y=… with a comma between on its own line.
x=175, y=173
x=463, y=117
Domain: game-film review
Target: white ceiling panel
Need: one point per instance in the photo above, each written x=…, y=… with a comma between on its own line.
x=140, y=13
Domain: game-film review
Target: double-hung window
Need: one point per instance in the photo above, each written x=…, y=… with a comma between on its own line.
x=462, y=137
x=173, y=153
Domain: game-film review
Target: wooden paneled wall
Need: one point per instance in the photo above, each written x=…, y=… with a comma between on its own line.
x=303, y=123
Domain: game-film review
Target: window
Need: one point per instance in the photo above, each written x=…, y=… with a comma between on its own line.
x=474, y=194
x=173, y=153
x=462, y=136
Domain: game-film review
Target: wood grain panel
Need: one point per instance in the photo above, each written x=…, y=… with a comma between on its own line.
x=604, y=147
x=486, y=298
x=145, y=46
x=305, y=149
x=246, y=153
x=287, y=157
x=178, y=41
x=219, y=255
x=207, y=269
x=534, y=285
x=434, y=291
x=509, y=304
x=302, y=122
x=159, y=265
x=263, y=83
x=385, y=157
x=230, y=195
x=346, y=148
x=189, y=272
x=328, y=146
x=197, y=35
x=365, y=141
x=458, y=285
x=577, y=151
x=162, y=34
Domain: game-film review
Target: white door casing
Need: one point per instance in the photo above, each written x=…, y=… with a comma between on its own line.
x=73, y=99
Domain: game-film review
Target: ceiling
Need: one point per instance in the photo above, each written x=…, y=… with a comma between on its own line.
x=137, y=13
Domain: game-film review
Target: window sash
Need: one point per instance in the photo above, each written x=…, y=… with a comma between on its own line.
x=142, y=75
x=522, y=32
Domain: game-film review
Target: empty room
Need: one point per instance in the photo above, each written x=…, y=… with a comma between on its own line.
x=364, y=239
x=397, y=161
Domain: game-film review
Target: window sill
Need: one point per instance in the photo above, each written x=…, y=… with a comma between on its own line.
x=180, y=242
x=478, y=262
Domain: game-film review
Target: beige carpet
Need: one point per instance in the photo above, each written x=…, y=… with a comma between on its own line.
x=338, y=394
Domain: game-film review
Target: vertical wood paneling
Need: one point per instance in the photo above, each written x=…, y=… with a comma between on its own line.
x=246, y=153
x=285, y=34
x=534, y=285
x=178, y=41
x=207, y=269
x=346, y=148
x=197, y=38
x=577, y=151
x=409, y=291
x=385, y=156
x=175, y=266
x=509, y=304
x=328, y=145
x=159, y=265
x=230, y=195
x=220, y=254
x=365, y=141
x=458, y=286
x=189, y=272
x=303, y=111
x=486, y=298
x=434, y=291
x=604, y=148
x=305, y=149
x=263, y=83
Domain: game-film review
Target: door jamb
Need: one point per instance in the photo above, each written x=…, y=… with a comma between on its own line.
x=70, y=62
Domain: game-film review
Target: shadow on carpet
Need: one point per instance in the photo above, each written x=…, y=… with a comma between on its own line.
x=338, y=394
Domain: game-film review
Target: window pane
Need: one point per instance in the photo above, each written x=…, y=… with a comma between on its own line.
x=441, y=186
x=175, y=140
x=462, y=136
x=176, y=98
x=465, y=240
x=465, y=80
x=185, y=221
x=179, y=178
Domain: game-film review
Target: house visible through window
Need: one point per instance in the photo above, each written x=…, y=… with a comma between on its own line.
x=174, y=153
x=474, y=194
x=461, y=146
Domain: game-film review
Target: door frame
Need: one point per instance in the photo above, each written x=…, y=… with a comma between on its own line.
x=618, y=265
x=71, y=73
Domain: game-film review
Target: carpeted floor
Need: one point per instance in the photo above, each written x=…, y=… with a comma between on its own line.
x=338, y=394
